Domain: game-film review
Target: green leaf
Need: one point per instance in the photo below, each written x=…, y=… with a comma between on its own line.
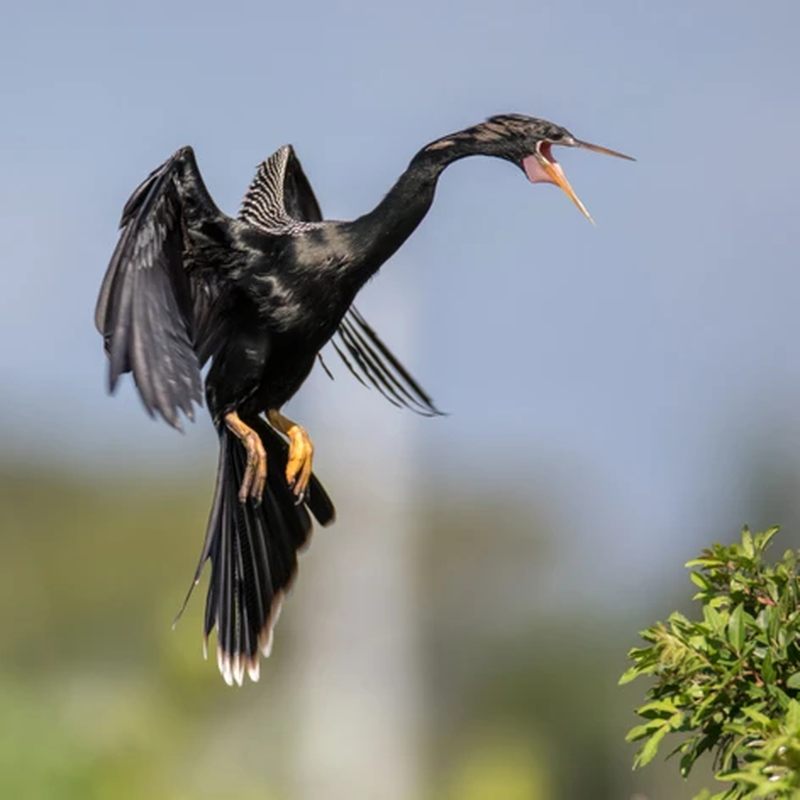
x=742, y=777
x=700, y=580
x=648, y=752
x=630, y=674
x=658, y=708
x=640, y=731
x=793, y=717
x=714, y=619
x=756, y=715
x=678, y=620
x=719, y=601
x=704, y=562
x=793, y=681
x=780, y=697
x=768, y=668
x=747, y=543
x=763, y=539
x=736, y=628
x=687, y=762
x=773, y=622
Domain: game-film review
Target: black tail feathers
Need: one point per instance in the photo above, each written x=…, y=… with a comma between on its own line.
x=253, y=551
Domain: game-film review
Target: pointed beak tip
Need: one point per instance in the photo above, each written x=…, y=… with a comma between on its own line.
x=596, y=148
x=558, y=177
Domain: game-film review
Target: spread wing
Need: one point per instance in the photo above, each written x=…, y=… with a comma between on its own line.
x=156, y=305
x=279, y=200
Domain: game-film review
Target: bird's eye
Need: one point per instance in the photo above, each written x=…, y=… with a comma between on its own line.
x=556, y=136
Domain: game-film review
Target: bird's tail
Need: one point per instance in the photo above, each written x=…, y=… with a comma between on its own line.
x=253, y=551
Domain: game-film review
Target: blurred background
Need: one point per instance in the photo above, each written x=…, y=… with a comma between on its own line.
x=618, y=397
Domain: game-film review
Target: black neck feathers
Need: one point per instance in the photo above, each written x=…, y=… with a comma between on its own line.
x=378, y=234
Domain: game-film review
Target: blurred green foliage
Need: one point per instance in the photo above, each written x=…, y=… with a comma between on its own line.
x=730, y=680
x=100, y=697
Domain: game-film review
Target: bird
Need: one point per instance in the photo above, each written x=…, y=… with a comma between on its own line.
x=255, y=298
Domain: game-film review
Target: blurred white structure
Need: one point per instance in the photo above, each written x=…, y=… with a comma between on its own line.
x=357, y=660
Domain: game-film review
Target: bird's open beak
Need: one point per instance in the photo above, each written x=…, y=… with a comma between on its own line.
x=542, y=167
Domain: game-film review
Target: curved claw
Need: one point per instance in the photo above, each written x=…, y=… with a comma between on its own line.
x=301, y=454
x=300, y=465
x=255, y=473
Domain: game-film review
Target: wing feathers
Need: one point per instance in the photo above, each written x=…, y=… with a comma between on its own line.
x=372, y=362
x=405, y=377
x=145, y=310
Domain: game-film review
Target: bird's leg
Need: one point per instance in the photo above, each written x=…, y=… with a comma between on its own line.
x=255, y=474
x=301, y=452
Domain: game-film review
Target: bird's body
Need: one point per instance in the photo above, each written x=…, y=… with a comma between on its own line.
x=274, y=284
x=260, y=295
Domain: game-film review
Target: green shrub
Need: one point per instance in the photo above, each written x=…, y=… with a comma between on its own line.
x=729, y=682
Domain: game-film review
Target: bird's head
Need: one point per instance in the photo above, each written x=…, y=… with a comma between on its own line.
x=528, y=142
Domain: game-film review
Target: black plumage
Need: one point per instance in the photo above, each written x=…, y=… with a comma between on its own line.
x=258, y=296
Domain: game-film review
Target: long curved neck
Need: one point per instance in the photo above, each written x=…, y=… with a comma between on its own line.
x=377, y=235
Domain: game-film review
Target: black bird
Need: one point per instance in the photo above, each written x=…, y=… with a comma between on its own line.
x=259, y=296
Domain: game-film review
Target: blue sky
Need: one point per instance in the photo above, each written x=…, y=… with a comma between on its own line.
x=633, y=364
